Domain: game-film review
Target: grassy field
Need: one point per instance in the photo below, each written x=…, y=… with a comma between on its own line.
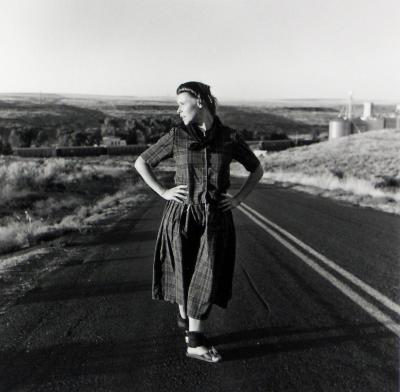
x=363, y=169
x=43, y=198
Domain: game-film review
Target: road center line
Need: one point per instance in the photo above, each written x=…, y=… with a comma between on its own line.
x=344, y=288
x=362, y=285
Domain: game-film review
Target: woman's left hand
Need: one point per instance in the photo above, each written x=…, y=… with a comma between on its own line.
x=228, y=202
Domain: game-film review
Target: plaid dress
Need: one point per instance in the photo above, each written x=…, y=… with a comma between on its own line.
x=195, y=249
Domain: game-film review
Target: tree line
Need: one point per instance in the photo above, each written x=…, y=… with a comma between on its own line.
x=133, y=130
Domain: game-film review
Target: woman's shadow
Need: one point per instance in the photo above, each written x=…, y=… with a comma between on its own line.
x=261, y=342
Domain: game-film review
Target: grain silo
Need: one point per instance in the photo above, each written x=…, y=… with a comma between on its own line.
x=368, y=108
x=339, y=127
x=375, y=123
x=390, y=122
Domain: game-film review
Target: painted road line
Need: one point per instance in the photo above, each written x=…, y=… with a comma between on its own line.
x=344, y=288
x=346, y=274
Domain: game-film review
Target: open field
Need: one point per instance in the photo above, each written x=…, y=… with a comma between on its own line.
x=49, y=113
x=49, y=120
x=363, y=169
x=41, y=199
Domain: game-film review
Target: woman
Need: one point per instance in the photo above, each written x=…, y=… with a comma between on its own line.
x=195, y=248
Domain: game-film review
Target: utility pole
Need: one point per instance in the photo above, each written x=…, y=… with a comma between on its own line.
x=350, y=106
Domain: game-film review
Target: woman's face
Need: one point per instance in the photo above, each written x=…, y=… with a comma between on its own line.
x=188, y=108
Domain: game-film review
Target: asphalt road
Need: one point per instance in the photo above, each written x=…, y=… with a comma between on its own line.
x=313, y=308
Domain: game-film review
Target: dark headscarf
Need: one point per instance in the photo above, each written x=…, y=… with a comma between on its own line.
x=201, y=90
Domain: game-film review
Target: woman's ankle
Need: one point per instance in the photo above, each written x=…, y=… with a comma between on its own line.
x=182, y=312
x=196, y=325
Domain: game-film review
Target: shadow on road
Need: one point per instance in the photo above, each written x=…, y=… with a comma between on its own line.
x=64, y=361
x=66, y=293
x=118, y=235
x=289, y=340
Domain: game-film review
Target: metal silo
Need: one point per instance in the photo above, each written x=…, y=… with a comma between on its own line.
x=375, y=123
x=368, y=108
x=339, y=127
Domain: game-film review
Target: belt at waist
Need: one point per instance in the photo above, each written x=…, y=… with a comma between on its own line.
x=212, y=203
x=206, y=205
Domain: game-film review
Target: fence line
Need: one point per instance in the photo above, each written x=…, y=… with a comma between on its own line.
x=48, y=152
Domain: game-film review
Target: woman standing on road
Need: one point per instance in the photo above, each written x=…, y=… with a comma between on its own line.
x=196, y=244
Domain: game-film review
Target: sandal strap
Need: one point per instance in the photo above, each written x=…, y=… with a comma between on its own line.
x=211, y=355
x=196, y=338
x=213, y=351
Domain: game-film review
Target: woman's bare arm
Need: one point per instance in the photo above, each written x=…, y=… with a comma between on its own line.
x=148, y=176
x=250, y=183
x=177, y=193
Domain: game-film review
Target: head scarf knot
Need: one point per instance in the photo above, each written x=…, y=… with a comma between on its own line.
x=202, y=140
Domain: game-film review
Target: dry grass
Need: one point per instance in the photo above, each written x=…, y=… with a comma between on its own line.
x=362, y=168
x=45, y=198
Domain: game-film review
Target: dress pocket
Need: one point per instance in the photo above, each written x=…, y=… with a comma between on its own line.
x=173, y=216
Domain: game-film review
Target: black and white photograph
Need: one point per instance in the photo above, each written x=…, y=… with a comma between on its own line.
x=199, y=196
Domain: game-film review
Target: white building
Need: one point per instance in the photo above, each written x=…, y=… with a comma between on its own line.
x=113, y=141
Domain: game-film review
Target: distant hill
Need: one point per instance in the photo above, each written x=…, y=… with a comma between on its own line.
x=46, y=117
x=47, y=112
x=265, y=121
x=362, y=168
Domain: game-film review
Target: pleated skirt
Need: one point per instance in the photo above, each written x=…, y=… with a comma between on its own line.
x=194, y=257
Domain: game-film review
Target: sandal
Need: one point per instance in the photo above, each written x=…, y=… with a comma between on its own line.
x=182, y=323
x=195, y=339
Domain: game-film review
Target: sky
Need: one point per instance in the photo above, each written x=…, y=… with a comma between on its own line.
x=244, y=49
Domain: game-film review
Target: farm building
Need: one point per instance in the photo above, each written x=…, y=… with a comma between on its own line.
x=347, y=125
x=113, y=141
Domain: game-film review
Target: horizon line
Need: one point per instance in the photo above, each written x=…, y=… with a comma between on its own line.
x=172, y=98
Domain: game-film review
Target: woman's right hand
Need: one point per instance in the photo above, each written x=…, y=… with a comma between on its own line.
x=177, y=193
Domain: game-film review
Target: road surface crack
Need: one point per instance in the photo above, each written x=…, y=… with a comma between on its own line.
x=264, y=303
